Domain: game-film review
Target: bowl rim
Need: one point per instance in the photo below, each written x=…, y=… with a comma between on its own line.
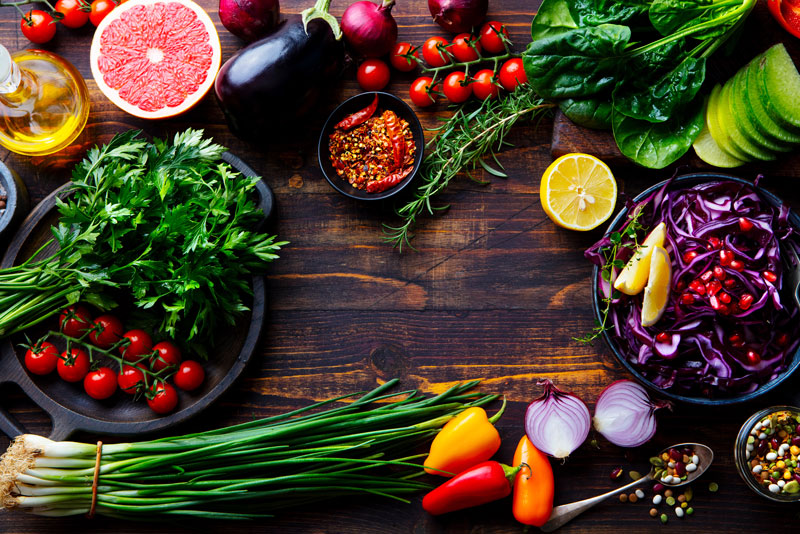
x=322, y=147
x=698, y=177
x=740, y=460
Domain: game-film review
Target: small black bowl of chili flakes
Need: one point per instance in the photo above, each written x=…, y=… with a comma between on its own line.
x=371, y=146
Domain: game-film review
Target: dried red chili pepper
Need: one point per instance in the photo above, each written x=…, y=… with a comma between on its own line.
x=485, y=482
x=396, y=135
x=378, y=186
x=359, y=117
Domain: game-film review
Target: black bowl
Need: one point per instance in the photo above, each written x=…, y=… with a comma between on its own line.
x=689, y=180
x=349, y=106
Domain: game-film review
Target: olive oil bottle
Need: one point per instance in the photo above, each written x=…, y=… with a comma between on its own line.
x=44, y=102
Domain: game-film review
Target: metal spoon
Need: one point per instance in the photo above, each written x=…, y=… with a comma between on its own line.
x=566, y=512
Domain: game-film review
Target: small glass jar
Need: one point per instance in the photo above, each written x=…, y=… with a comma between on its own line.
x=743, y=462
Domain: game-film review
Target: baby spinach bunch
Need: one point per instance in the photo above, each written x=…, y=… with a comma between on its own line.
x=167, y=226
x=635, y=66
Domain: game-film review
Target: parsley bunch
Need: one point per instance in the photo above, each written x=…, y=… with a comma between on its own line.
x=167, y=226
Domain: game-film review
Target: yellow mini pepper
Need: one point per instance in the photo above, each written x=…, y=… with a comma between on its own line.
x=466, y=440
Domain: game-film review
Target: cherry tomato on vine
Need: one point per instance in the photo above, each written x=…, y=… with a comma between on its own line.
x=38, y=26
x=419, y=92
x=461, y=48
x=106, y=331
x=101, y=8
x=100, y=384
x=455, y=88
x=403, y=64
x=373, y=75
x=432, y=53
x=139, y=344
x=75, y=320
x=164, y=399
x=41, y=358
x=129, y=378
x=512, y=74
x=73, y=367
x=490, y=40
x=189, y=376
x=76, y=12
x=166, y=354
x=483, y=86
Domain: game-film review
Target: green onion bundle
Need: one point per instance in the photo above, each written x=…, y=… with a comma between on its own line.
x=246, y=471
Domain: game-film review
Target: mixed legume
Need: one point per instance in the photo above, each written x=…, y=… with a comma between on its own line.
x=773, y=451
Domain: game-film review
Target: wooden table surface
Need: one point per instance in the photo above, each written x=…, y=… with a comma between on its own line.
x=496, y=292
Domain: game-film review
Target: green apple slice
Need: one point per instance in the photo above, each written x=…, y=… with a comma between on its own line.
x=746, y=124
x=754, y=94
x=731, y=127
x=714, y=128
x=709, y=151
x=782, y=85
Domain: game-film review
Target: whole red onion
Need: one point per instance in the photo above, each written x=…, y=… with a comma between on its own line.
x=369, y=29
x=458, y=16
x=249, y=20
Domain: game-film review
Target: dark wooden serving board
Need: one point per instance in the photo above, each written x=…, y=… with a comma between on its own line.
x=759, y=33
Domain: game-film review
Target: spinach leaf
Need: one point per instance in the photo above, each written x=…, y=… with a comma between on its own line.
x=656, y=145
x=670, y=16
x=594, y=12
x=588, y=112
x=658, y=100
x=552, y=18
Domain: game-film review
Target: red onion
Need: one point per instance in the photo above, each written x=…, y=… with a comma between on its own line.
x=625, y=415
x=249, y=20
x=369, y=29
x=557, y=422
x=458, y=16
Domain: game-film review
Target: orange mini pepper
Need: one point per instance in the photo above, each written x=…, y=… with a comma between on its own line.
x=466, y=440
x=533, y=487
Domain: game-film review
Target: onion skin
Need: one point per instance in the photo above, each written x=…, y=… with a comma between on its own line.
x=249, y=20
x=369, y=29
x=458, y=16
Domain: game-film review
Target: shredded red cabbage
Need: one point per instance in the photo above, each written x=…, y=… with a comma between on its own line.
x=726, y=330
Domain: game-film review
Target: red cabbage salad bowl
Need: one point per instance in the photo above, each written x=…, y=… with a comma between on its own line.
x=729, y=332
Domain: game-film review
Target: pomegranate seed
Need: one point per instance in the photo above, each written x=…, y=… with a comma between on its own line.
x=687, y=299
x=713, y=287
x=725, y=298
x=662, y=337
x=706, y=276
x=681, y=285
x=714, y=302
x=782, y=339
x=753, y=357
x=726, y=257
x=769, y=276
x=736, y=265
x=723, y=309
x=719, y=273
x=729, y=283
x=698, y=287
x=745, y=225
x=689, y=256
x=736, y=340
x=713, y=243
x=745, y=301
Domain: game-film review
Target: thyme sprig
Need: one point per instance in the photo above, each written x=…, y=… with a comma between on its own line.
x=460, y=145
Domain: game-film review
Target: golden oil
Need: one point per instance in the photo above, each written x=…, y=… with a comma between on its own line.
x=44, y=102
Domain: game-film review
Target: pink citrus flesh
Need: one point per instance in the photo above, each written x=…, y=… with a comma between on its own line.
x=155, y=58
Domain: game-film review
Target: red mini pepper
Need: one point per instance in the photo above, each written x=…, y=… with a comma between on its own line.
x=485, y=482
x=359, y=117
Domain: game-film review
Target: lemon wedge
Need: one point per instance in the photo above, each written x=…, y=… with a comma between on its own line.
x=633, y=277
x=578, y=192
x=656, y=294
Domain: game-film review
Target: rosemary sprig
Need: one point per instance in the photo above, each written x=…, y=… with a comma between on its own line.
x=460, y=144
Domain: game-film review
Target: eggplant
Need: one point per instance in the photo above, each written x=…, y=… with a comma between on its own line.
x=265, y=87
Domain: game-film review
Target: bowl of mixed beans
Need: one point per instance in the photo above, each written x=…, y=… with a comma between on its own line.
x=767, y=453
x=371, y=146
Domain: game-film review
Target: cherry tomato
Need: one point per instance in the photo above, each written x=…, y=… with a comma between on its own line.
x=139, y=344
x=38, y=26
x=512, y=74
x=41, y=359
x=189, y=376
x=101, y=8
x=373, y=75
x=432, y=53
x=419, y=92
x=461, y=48
x=100, y=384
x=455, y=89
x=483, y=86
x=166, y=354
x=129, y=378
x=75, y=320
x=490, y=40
x=106, y=331
x=164, y=400
x=76, y=12
x=73, y=367
x=403, y=64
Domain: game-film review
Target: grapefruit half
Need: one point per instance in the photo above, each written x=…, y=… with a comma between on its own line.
x=155, y=58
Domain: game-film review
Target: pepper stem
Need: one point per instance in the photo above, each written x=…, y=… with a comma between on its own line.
x=511, y=472
x=499, y=413
x=320, y=11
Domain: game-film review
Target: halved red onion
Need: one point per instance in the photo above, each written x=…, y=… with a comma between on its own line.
x=557, y=423
x=625, y=415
